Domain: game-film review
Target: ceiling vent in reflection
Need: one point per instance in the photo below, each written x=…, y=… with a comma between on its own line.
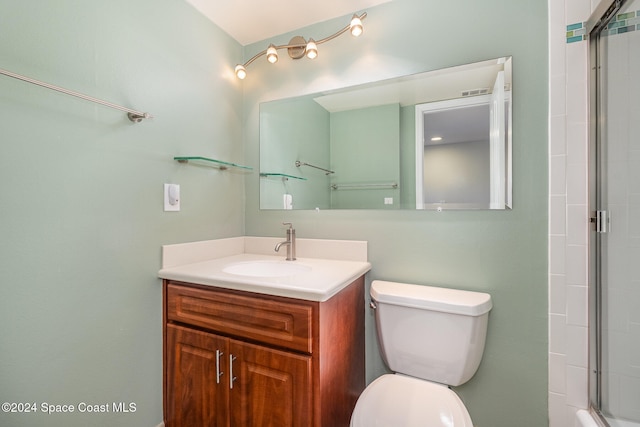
x=474, y=92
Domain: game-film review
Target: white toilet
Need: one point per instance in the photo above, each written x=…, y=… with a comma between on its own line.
x=431, y=338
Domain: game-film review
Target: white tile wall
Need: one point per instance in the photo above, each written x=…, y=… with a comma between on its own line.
x=568, y=222
x=568, y=213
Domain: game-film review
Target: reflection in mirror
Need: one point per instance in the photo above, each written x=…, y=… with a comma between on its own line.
x=436, y=140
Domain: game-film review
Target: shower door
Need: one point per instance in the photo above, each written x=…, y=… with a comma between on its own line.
x=615, y=206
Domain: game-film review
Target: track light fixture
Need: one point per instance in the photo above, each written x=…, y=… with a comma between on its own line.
x=272, y=54
x=311, y=49
x=298, y=47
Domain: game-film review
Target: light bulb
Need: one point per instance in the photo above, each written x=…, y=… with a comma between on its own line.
x=241, y=72
x=272, y=54
x=311, y=49
x=356, y=26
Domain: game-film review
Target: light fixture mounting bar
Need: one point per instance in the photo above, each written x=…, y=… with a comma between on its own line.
x=340, y=32
x=297, y=45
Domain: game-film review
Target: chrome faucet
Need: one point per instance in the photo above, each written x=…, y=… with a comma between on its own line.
x=290, y=242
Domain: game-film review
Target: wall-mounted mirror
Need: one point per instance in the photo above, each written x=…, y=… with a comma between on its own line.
x=435, y=140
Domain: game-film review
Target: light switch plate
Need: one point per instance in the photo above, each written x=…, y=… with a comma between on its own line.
x=288, y=201
x=171, y=197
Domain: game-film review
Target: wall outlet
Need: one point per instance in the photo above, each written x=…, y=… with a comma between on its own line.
x=171, y=197
x=388, y=200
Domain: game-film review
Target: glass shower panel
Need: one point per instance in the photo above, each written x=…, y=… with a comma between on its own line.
x=619, y=199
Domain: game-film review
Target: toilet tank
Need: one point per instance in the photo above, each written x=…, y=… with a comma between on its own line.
x=433, y=333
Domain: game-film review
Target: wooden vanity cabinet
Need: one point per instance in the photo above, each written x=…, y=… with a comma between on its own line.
x=240, y=359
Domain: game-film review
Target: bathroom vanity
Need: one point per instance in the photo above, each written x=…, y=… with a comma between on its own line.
x=246, y=347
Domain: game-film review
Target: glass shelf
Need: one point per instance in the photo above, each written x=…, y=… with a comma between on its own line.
x=211, y=162
x=280, y=175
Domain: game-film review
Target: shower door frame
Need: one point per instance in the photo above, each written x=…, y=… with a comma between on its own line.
x=606, y=10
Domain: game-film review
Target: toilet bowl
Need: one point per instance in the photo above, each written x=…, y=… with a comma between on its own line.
x=395, y=400
x=432, y=338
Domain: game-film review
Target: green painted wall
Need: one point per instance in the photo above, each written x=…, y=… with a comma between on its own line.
x=81, y=216
x=500, y=252
x=294, y=129
x=82, y=222
x=365, y=149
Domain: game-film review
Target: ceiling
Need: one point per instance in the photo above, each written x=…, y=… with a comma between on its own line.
x=425, y=88
x=447, y=125
x=430, y=86
x=249, y=21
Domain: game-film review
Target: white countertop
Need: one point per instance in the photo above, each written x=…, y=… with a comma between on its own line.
x=326, y=277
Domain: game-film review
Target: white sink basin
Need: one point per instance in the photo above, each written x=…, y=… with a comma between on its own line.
x=267, y=268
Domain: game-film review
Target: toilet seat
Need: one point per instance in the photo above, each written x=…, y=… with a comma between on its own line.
x=395, y=400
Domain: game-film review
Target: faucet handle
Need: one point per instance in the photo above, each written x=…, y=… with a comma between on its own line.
x=289, y=224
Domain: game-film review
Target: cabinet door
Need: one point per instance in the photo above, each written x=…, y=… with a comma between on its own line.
x=196, y=394
x=272, y=388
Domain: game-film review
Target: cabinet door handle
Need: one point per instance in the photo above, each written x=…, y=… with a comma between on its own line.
x=218, y=372
x=231, y=377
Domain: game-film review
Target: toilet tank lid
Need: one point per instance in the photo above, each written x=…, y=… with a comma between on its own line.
x=446, y=300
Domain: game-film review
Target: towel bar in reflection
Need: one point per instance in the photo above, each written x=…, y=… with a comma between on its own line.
x=326, y=171
x=363, y=186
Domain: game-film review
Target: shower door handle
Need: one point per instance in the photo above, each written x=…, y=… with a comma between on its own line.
x=601, y=221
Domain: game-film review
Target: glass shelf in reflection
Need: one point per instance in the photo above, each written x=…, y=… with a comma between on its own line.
x=210, y=162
